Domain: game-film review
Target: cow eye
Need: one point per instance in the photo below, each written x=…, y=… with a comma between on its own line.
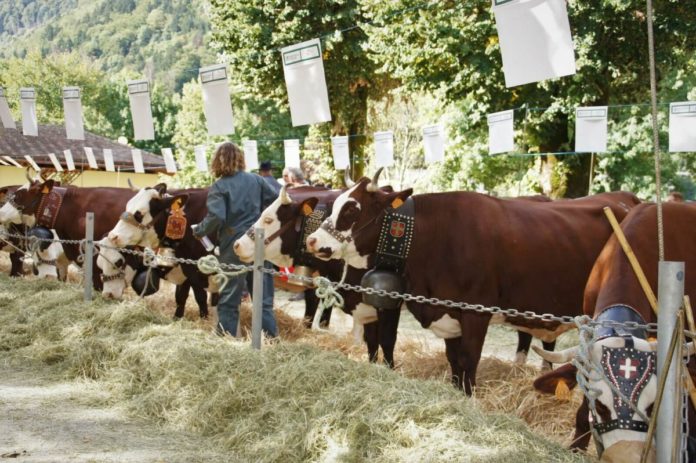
x=138, y=216
x=268, y=220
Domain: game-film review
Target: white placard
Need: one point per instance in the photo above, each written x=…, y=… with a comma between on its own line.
x=501, y=136
x=32, y=163
x=535, y=40
x=27, y=100
x=251, y=154
x=91, y=160
x=141, y=111
x=5, y=114
x=591, y=129
x=12, y=161
x=55, y=162
x=3, y=163
x=69, y=162
x=217, y=106
x=201, y=158
x=292, y=153
x=72, y=107
x=303, y=67
x=384, y=149
x=169, y=162
x=340, y=147
x=682, y=126
x=108, y=160
x=434, y=143
x=137, y=156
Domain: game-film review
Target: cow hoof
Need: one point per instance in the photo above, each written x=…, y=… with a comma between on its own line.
x=520, y=358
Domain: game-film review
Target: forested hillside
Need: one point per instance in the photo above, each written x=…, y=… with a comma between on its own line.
x=161, y=39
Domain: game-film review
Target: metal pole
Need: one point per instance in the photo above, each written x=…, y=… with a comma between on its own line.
x=89, y=254
x=670, y=293
x=257, y=314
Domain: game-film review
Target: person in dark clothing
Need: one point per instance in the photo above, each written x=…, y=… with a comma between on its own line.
x=266, y=171
x=235, y=202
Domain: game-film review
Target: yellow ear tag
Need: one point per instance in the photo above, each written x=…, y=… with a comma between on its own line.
x=562, y=391
x=307, y=209
x=45, y=190
x=176, y=204
x=397, y=203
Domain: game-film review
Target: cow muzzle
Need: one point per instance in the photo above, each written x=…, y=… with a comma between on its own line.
x=627, y=452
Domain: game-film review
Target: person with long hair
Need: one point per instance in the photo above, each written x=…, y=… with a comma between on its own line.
x=235, y=202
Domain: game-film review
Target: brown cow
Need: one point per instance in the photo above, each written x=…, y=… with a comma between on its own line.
x=614, y=293
x=478, y=249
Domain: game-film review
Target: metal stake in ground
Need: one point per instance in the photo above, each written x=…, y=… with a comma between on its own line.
x=256, y=315
x=89, y=254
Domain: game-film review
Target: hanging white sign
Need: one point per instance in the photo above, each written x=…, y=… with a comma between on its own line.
x=32, y=163
x=535, y=40
x=251, y=154
x=303, y=67
x=434, y=143
x=384, y=148
x=501, y=136
x=91, y=160
x=682, y=126
x=141, y=111
x=72, y=107
x=201, y=159
x=5, y=114
x=137, y=156
x=292, y=153
x=27, y=100
x=12, y=161
x=108, y=160
x=169, y=162
x=217, y=106
x=591, y=129
x=69, y=163
x=340, y=147
x=55, y=162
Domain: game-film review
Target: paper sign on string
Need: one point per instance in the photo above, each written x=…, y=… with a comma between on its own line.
x=535, y=40
x=682, y=126
x=108, y=160
x=434, y=143
x=591, y=129
x=217, y=106
x=5, y=114
x=251, y=154
x=72, y=107
x=55, y=162
x=341, y=152
x=169, y=162
x=201, y=159
x=384, y=148
x=137, y=156
x=303, y=67
x=12, y=161
x=141, y=111
x=501, y=136
x=90, y=158
x=69, y=163
x=32, y=163
x=292, y=153
x=27, y=100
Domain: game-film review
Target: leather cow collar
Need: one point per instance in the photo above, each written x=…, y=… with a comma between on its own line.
x=49, y=207
x=395, y=237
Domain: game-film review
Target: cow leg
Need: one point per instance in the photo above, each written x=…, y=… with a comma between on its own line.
x=388, y=323
x=452, y=347
x=371, y=337
x=473, y=335
x=549, y=346
x=524, y=341
x=181, y=296
x=17, y=264
x=201, y=296
x=582, y=427
x=311, y=304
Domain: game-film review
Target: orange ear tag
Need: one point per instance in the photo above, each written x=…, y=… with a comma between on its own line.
x=307, y=209
x=397, y=203
x=45, y=190
x=176, y=205
x=562, y=392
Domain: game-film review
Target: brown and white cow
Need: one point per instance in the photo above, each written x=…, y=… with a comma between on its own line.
x=478, y=249
x=614, y=293
x=11, y=245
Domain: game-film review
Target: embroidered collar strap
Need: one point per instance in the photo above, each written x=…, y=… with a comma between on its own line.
x=620, y=313
x=310, y=223
x=328, y=227
x=49, y=207
x=395, y=237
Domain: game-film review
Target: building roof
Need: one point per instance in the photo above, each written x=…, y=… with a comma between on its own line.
x=52, y=139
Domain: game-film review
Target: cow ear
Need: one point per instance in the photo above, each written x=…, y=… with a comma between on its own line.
x=308, y=205
x=161, y=188
x=47, y=186
x=396, y=200
x=550, y=381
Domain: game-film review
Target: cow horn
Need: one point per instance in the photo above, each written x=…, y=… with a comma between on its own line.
x=26, y=173
x=346, y=178
x=284, y=197
x=563, y=356
x=374, y=183
x=130, y=184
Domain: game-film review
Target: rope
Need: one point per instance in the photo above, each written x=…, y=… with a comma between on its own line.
x=328, y=297
x=210, y=265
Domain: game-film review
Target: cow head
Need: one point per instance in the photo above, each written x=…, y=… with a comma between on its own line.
x=282, y=226
x=135, y=226
x=352, y=230
x=21, y=205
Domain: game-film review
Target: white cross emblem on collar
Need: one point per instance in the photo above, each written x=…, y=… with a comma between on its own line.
x=628, y=369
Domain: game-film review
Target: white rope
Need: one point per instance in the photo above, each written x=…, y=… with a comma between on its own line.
x=210, y=265
x=328, y=297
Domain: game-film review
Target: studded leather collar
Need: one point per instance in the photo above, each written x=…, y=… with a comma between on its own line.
x=395, y=237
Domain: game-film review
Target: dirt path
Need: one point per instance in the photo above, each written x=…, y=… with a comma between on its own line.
x=48, y=421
